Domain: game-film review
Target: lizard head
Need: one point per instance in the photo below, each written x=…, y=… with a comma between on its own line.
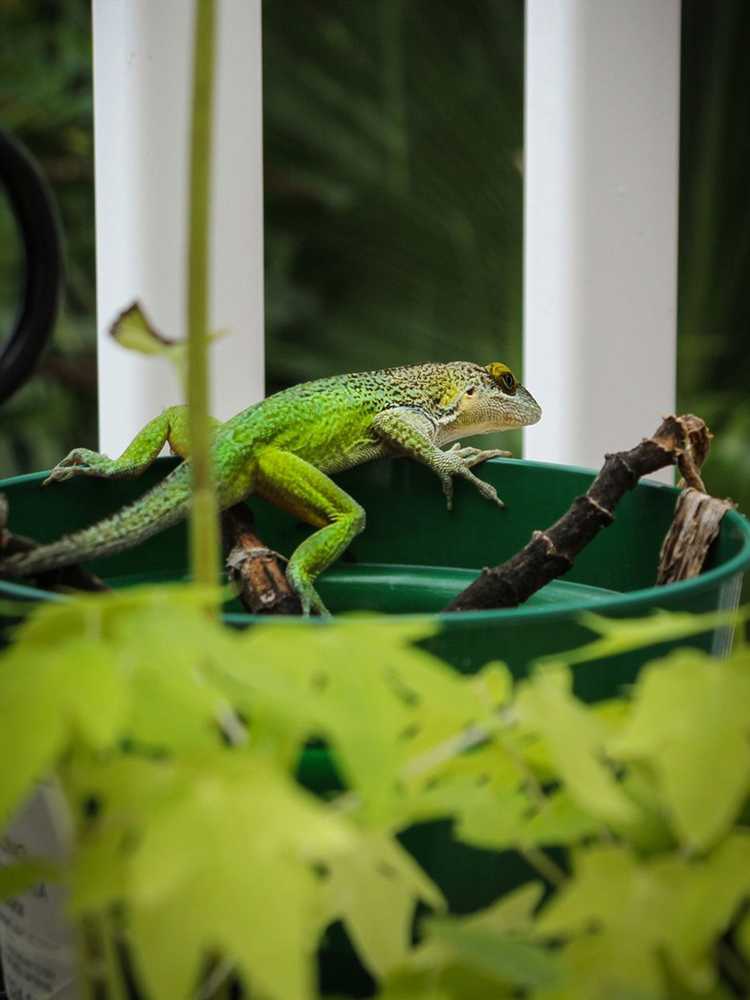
x=490, y=398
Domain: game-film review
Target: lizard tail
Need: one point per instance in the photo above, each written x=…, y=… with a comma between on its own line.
x=164, y=505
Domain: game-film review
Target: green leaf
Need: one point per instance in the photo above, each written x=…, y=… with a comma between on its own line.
x=560, y=820
x=135, y=332
x=99, y=616
x=433, y=970
x=508, y=958
x=51, y=697
x=743, y=937
x=167, y=657
x=492, y=821
x=514, y=819
x=227, y=866
x=493, y=684
x=650, y=831
x=125, y=789
x=375, y=890
x=623, y=635
x=709, y=894
x=410, y=986
x=690, y=723
x=618, y=914
x=678, y=991
x=513, y=912
x=463, y=776
x=447, y=709
x=18, y=878
x=612, y=915
x=391, y=723
x=438, y=967
x=165, y=649
x=575, y=738
x=361, y=712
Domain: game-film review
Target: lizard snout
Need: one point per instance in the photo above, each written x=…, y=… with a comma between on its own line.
x=529, y=410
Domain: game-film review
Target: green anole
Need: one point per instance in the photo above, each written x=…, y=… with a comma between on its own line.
x=285, y=447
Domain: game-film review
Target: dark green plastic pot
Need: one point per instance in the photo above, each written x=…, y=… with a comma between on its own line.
x=413, y=557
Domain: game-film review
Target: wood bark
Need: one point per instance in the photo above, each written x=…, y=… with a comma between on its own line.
x=696, y=523
x=681, y=440
x=257, y=571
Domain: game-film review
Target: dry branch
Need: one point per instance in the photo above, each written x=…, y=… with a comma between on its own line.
x=257, y=571
x=682, y=440
x=697, y=519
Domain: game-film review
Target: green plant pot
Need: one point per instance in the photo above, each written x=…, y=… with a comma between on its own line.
x=415, y=555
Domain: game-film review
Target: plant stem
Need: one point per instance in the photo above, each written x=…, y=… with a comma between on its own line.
x=543, y=863
x=204, y=531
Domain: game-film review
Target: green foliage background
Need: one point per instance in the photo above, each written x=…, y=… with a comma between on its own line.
x=393, y=149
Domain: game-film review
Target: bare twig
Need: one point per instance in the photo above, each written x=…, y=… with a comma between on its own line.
x=682, y=440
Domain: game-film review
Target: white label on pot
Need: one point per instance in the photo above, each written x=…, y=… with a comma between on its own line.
x=36, y=942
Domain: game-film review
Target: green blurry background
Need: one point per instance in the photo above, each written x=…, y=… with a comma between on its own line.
x=393, y=151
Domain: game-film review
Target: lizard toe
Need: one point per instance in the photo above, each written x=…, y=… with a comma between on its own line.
x=487, y=490
x=447, y=484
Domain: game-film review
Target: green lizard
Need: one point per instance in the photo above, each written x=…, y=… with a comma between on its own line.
x=284, y=448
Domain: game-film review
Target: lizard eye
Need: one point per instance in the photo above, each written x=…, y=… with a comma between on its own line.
x=471, y=390
x=508, y=383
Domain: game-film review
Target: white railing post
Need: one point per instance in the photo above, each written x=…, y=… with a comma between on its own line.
x=600, y=253
x=142, y=56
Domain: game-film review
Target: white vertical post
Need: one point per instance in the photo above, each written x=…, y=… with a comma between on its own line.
x=142, y=67
x=600, y=252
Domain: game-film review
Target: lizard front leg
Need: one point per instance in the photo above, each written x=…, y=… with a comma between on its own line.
x=411, y=432
x=171, y=426
x=298, y=487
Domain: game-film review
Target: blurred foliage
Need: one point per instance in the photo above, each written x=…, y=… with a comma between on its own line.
x=46, y=102
x=714, y=304
x=393, y=151
x=393, y=186
x=620, y=865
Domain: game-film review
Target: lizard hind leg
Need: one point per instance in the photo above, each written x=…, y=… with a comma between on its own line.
x=300, y=488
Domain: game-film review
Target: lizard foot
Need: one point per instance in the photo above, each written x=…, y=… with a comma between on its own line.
x=309, y=598
x=458, y=466
x=80, y=462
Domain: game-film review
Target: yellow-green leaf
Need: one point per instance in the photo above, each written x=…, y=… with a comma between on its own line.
x=690, y=722
x=229, y=868
x=621, y=635
x=375, y=891
x=49, y=697
x=575, y=740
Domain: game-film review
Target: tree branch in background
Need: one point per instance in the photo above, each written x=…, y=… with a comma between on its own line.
x=683, y=441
